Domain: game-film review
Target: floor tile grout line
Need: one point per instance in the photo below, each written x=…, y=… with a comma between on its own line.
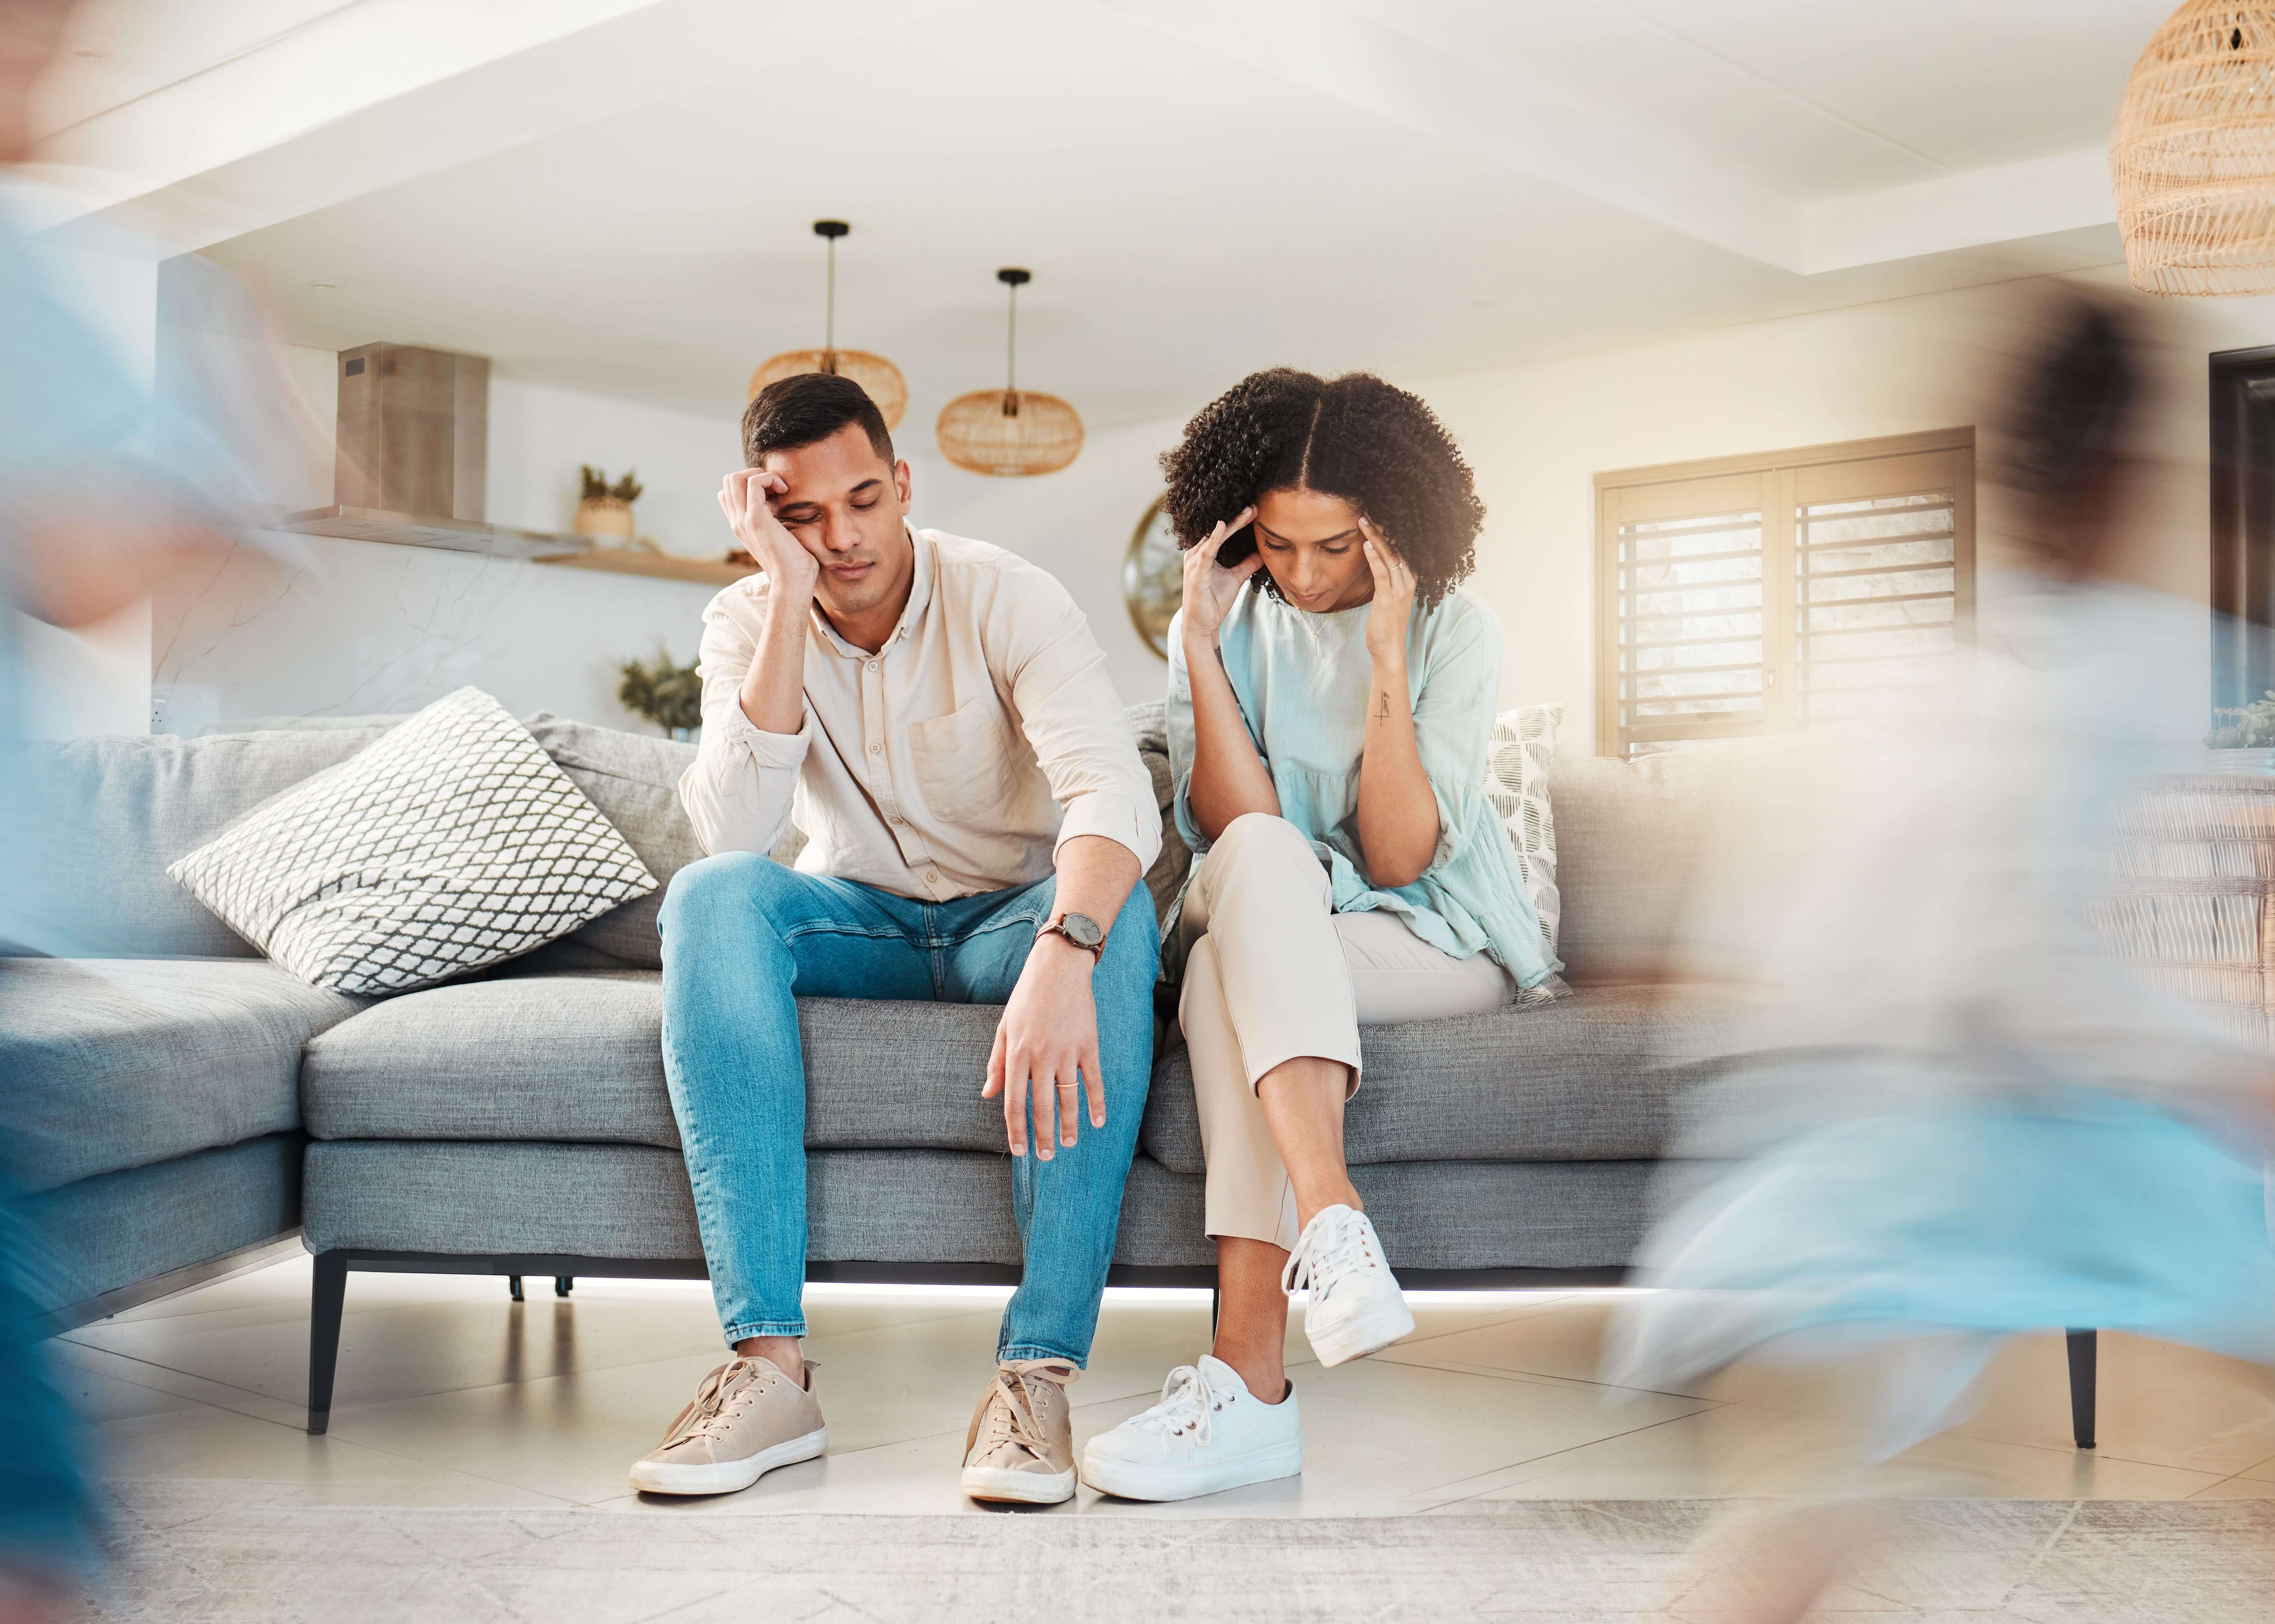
x=151, y=1364
x=480, y=1386
x=1552, y=1455
x=1549, y=1379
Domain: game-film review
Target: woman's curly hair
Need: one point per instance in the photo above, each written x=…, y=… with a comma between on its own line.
x=1375, y=446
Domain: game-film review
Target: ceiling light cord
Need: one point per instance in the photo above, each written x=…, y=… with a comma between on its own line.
x=1012, y=278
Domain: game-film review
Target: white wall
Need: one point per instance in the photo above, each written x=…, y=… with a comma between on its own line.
x=348, y=627
x=1538, y=435
x=366, y=626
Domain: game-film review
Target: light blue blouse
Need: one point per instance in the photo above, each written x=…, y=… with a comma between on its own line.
x=1302, y=682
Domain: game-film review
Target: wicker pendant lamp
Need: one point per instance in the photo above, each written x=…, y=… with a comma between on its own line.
x=1011, y=431
x=874, y=373
x=2193, y=156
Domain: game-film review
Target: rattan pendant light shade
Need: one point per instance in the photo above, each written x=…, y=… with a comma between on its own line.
x=1011, y=431
x=2193, y=158
x=874, y=373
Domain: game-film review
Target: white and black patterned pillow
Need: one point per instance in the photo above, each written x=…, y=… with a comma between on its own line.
x=450, y=843
x=1517, y=782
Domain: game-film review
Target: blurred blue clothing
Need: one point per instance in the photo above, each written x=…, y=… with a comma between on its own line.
x=1302, y=680
x=69, y=419
x=1961, y=1116
x=2076, y=1207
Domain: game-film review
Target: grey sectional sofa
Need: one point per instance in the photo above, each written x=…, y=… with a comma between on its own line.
x=193, y=1102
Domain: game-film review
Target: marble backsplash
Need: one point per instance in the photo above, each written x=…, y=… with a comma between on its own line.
x=354, y=627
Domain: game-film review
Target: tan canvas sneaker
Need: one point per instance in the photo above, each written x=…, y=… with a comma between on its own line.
x=747, y=1419
x=1021, y=1445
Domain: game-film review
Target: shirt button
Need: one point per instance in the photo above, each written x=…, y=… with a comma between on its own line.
x=873, y=748
x=932, y=875
x=872, y=665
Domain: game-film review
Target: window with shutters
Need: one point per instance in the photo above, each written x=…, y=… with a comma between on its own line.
x=1747, y=595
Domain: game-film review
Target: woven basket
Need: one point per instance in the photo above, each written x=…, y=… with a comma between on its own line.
x=2191, y=903
x=2192, y=156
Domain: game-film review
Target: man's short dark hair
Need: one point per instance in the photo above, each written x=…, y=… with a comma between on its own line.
x=805, y=409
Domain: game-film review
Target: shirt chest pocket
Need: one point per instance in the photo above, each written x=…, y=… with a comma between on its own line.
x=962, y=762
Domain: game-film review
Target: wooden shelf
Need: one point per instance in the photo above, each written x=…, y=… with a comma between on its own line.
x=665, y=566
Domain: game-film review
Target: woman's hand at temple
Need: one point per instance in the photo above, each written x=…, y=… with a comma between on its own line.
x=1392, y=610
x=1229, y=778
x=1397, y=810
x=1210, y=587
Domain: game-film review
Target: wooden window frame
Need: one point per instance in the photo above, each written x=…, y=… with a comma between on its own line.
x=1779, y=476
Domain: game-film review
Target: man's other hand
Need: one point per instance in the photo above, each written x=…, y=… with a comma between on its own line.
x=1046, y=1044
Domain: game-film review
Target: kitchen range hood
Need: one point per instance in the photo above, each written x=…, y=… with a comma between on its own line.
x=411, y=458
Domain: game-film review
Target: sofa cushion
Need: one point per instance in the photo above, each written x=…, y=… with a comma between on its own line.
x=451, y=843
x=121, y=1062
x=578, y=1057
x=1661, y=860
x=1580, y=1078
x=633, y=779
x=122, y=1228
x=118, y=811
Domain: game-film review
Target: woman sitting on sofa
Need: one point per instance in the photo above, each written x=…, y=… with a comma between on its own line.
x=1332, y=692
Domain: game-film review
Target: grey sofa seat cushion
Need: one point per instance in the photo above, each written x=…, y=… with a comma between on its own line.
x=578, y=1058
x=1583, y=1078
x=122, y=1228
x=115, y=1063
x=557, y=1058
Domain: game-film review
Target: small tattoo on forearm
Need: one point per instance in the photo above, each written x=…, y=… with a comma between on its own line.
x=1382, y=711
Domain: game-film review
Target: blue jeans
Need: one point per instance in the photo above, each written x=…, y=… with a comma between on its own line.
x=742, y=938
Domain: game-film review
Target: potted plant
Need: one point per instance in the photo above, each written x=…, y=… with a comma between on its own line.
x=669, y=695
x=606, y=510
x=2243, y=739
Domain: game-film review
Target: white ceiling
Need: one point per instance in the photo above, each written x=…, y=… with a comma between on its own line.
x=1420, y=186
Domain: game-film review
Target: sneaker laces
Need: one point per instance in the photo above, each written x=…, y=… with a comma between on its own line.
x=707, y=1416
x=1010, y=1417
x=1188, y=1400
x=1326, y=1253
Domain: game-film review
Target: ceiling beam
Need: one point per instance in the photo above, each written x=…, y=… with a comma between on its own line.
x=1497, y=112
x=384, y=91
x=2034, y=197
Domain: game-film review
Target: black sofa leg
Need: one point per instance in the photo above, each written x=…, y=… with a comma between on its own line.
x=561, y=1283
x=326, y=1303
x=513, y=1286
x=2084, y=1351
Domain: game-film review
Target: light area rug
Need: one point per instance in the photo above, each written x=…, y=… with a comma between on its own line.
x=240, y=1553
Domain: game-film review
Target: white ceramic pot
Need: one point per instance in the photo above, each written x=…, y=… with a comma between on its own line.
x=609, y=516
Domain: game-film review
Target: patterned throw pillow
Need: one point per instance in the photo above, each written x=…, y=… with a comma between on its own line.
x=450, y=842
x=1516, y=780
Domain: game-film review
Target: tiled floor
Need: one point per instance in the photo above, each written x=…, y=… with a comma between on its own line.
x=449, y=1394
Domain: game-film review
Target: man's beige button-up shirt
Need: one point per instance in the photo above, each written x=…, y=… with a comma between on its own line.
x=953, y=759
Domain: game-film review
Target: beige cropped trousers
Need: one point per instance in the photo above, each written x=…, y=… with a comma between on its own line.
x=1273, y=973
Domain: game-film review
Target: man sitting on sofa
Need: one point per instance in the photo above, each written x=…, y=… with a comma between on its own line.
x=940, y=715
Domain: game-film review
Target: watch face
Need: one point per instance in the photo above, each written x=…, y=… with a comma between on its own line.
x=1082, y=929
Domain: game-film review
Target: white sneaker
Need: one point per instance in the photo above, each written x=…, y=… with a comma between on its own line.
x=1208, y=1433
x=1356, y=1308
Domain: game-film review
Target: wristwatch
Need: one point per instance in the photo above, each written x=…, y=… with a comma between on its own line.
x=1080, y=929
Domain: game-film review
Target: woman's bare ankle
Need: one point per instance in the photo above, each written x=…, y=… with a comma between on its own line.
x=1265, y=1377
x=1305, y=1212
